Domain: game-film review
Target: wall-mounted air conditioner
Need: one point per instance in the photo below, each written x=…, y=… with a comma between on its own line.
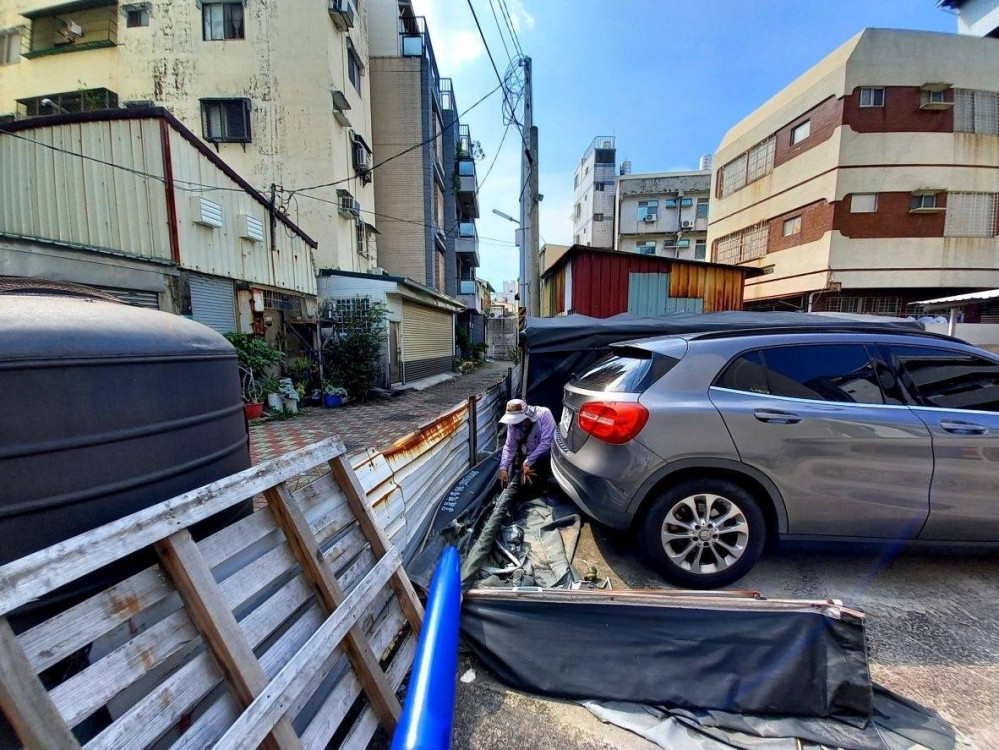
x=650, y=219
x=342, y=13
x=686, y=224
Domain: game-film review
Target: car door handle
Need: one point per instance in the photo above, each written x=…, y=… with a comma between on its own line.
x=775, y=416
x=958, y=427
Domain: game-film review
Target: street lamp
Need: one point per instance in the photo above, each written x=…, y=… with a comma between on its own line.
x=506, y=216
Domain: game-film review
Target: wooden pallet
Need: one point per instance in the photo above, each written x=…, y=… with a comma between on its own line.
x=266, y=632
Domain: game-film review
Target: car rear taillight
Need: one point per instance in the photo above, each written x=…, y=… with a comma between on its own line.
x=614, y=422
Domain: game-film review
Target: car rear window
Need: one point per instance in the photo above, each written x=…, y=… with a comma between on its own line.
x=745, y=373
x=616, y=374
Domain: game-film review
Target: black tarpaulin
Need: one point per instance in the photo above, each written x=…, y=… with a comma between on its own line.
x=558, y=348
x=737, y=655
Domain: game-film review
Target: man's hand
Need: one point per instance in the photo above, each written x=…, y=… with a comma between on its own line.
x=504, y=477
x=527, y=473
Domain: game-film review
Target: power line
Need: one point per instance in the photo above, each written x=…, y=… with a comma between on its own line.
x=406, y=151
x=500, y=30
x=509, y=22
x=499, y=78
x=495, y=157
x=199, y=187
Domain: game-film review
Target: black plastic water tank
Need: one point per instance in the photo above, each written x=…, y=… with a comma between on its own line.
x=106, y=409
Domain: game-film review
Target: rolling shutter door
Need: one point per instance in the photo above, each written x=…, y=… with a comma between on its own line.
x=213, y=303
x=427, y=341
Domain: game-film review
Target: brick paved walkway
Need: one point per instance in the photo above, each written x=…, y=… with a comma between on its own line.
x=374, y=424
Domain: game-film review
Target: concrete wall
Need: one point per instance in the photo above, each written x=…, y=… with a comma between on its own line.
x=291, y=58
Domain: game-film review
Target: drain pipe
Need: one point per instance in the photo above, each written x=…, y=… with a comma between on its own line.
x=428, y=715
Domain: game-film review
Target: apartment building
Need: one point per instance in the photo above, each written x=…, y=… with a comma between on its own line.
x=974, y=17
x=280, y=91
x=223, y=257
x=663, y=213
x=593, y=194
x=870, y=182
x=428, y=194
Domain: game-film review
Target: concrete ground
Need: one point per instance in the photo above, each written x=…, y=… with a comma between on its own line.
x=932, y=629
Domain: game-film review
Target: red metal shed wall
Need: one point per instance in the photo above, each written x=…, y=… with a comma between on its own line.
x=600, y=281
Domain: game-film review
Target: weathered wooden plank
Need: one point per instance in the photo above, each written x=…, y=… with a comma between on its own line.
x=306, y=549
x=336, y=705
x=358, y=502
x=360, y=734
x=33, y=576
x=24, y=701
x=258, y=719
x=218, y=627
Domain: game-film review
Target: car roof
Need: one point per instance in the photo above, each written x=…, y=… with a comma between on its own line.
x=778, y=332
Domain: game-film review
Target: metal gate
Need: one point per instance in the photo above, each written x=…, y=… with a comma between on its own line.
x=213, y=303
x=427, y=340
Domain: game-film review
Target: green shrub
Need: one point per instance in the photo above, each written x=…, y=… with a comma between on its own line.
x=352, y=355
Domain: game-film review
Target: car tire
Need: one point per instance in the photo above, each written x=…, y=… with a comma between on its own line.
x=703, y=533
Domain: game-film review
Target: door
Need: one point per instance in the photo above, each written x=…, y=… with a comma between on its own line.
x=395, y=351
x=428, y=341
x=957, y=393
x=814, y=419
x=213, y=303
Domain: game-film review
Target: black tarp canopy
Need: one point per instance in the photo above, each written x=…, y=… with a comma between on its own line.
x=557, y=348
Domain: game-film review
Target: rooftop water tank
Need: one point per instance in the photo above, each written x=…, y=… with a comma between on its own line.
x=107, y=409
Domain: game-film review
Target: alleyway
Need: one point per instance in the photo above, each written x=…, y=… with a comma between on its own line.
x=374, y=424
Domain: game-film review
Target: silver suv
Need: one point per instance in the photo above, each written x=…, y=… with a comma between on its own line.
x=711, y=444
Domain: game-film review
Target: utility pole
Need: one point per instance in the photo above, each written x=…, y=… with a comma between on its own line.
x=530, y=292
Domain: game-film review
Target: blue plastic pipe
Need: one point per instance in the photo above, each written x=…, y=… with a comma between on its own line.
x=428, y=713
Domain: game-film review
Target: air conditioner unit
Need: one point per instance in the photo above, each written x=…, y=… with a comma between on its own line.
x=349, y=207
x=650, y=218
x=73, y=29
x=342, y=14
x=686, y=224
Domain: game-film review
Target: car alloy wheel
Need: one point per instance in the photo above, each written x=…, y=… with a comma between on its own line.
x=705, y=534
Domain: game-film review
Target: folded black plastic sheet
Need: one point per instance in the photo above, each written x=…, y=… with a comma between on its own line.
x=740, y=655
x=895, y=724
x=560, y=347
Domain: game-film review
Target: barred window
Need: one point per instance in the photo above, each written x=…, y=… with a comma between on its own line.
x=226, y=120
x=757, y=162
x=347, y=313
x=888, y=306
x=976, y=112
x=747, y=244
x=971, y=215
x=222, y=20
x=10, y=46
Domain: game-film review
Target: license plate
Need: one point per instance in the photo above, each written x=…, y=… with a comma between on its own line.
x=566, y=422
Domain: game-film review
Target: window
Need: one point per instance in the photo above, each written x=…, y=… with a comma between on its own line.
x=226, y=120
x=361, y=233
x=745, y=168
x=136, y=17
x=801, y=132
x=598, y=217
x=598, y=187
x=686, y=202
x=10, y=47
x=792, y=226
x=824, y=372
x=222, y=21
x=354, y=68
x=863, y=203
x=646, y=248
x=683, y=244
x=922, y=201
x=83, y=100
x=575, y=181
x=890, y=306
x=700, y=249
x=971, y=215
x=748, y=244
x=648, y=210
x=948, y=379
x=976, y=111
x=935, y=97
x=745, y=373
x=702, y=208
x=615, y=375
x=669, y=203
x=871, y=97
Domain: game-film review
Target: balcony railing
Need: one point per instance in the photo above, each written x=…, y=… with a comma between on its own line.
x=73, y=27
x=464, y=141
x=467, y=242
x=447, y=94
x=84, y=100
x=414, y=41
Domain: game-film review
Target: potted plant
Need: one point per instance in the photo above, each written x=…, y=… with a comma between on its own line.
x=256, y=356
x=270, y=389
x=253, y=407
x=333, y=396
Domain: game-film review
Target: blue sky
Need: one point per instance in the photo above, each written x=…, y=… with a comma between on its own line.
x=667, y=78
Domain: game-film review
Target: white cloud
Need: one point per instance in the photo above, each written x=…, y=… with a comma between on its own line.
x=455, y=38
x=521, y=18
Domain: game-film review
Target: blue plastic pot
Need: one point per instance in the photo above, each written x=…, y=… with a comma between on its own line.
x=331, y=402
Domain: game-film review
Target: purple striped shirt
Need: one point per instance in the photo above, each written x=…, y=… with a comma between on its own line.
x=539, y=442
